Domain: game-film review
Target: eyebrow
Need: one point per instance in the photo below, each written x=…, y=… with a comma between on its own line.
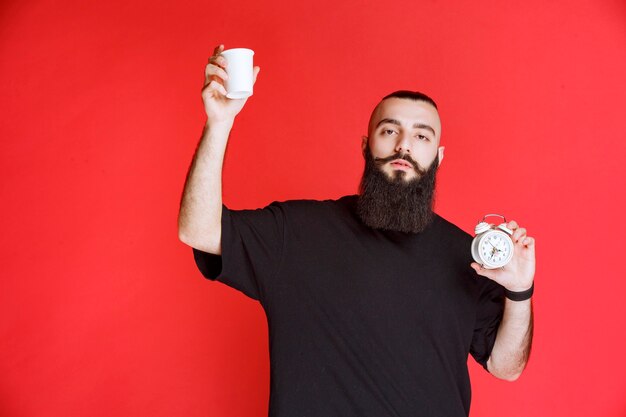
x=415, y=125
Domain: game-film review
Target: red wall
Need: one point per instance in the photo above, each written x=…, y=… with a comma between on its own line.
x=103, y=311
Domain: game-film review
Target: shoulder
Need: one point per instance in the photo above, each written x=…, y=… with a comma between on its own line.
x=293, y=208
x=458, y=243
x=341, y=203
x=451, y=233
x=312, y=214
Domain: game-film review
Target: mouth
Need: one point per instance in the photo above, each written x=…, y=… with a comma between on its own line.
x=401, y=164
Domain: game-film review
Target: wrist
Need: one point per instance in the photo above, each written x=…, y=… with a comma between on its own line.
x=520, y=295
x=219, y=125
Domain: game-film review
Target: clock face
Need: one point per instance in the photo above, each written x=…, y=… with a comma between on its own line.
x=496, y=248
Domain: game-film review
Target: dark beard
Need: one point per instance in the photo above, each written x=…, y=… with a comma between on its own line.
x=395, y=204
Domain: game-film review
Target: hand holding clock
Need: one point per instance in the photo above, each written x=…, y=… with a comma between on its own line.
x=518, y=274
x=514, y=269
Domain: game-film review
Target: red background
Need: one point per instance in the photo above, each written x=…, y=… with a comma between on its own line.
x=103, y=311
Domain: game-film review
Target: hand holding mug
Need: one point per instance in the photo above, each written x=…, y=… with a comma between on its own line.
x=218, y=107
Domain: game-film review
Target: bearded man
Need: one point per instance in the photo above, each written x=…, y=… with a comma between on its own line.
x=372, y=300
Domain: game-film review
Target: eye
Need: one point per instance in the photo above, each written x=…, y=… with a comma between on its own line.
x=422, y=137
x=388, y=132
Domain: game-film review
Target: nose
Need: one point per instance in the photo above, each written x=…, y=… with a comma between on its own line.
x=402, y=144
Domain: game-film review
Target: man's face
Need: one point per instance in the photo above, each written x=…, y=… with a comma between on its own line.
x=408, y=129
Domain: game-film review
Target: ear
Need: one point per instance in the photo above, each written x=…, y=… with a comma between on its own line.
x=440, y=152
x=364, y=140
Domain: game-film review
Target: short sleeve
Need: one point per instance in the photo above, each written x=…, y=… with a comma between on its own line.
x=252, y=245
x=488, y=317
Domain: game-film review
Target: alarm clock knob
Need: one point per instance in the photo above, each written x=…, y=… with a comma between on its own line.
x=505, y=229
x=482, y=227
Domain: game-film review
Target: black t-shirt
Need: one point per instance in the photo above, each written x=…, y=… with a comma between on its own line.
x=361, y=322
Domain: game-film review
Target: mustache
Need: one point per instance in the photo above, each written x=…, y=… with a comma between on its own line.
x=405, y=157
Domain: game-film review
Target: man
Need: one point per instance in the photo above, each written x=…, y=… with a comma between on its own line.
x=371, y=300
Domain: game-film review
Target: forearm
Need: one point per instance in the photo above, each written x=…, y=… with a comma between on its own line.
x=513, y=342
x=199, y=218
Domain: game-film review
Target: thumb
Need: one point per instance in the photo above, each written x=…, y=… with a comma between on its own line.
x=255, y=72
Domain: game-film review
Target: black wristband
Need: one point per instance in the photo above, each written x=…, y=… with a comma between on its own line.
x=520, y=295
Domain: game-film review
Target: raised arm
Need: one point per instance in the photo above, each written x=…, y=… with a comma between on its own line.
x=200, y=214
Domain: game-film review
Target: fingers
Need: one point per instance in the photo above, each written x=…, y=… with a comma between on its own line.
x=215, y=72
x=528, y=241
x=218, y=60
x=215, y=85
x=517, y=231
x=512, y=225
x=519, y=234
x=218, y=49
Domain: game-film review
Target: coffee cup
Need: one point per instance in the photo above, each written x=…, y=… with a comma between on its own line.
x=240, y=72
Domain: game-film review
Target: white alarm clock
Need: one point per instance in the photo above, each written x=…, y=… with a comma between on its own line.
x=492, y=246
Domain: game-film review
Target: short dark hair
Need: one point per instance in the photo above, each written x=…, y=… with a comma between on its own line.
x=412, y=95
